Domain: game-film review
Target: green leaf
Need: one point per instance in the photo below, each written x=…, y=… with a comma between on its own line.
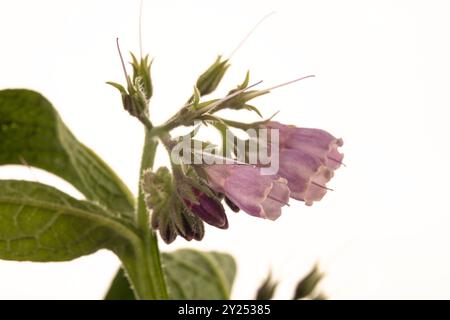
x=244, y=84
x=118, y=86
x=32, y=133
x=40, y=223
x=120, y=288
x=254, y=109
x=196, y=275
x=190, y=274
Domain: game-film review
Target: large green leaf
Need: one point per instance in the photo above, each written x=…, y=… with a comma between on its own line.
x=190, y=274
x=120, y=288
x=31, y=132
x=40, y=223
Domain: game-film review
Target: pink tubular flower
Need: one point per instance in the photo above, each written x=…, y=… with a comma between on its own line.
x=308, y=158
x=258, y=195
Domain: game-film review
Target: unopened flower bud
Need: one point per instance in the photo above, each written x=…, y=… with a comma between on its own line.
x=267, y=289
x=141, y=74
x=157, y=187
x=136, y=97
x=211, y=78
x=308, y=284
x=208, y=209
x=169, y=215
x=199, y=199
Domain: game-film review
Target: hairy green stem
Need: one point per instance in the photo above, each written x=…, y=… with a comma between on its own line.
x=148, y=157
x=144, y=267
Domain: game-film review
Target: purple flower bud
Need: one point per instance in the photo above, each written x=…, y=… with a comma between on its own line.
x=308, y=158
x=208, y=209
x=259, y=195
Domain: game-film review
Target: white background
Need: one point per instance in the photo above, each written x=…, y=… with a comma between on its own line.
x=382, y=85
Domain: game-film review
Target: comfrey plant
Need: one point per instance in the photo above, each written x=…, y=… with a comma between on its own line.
x=240, y=172
x=257, y=175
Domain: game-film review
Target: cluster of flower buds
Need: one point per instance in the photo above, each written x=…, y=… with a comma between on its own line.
x=169, y=214
x=182, y=199
x=136, y=97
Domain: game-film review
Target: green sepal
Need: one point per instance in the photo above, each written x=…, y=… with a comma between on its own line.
x=246, y=81
x=196, y=97
x=141, y=74
x=118, y=87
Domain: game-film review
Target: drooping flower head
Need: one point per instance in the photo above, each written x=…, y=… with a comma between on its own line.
x=260, y=178
x=308, y=158
x=314, y=141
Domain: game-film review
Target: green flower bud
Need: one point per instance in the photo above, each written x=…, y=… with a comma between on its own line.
x=236, y=99
x=211, y=78
x=267, y=289
x=157, y=188
x=308, y=284
x=136, y=97
x=141, y=74
x=174, y=220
